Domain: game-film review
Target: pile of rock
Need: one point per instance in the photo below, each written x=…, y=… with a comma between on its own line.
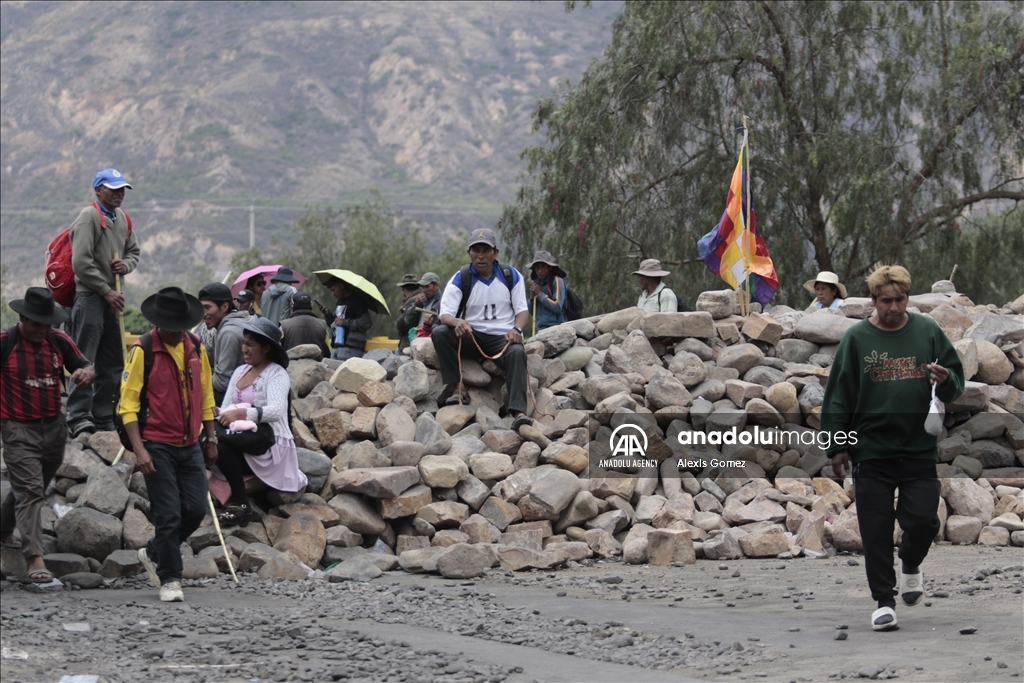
x=397, y=482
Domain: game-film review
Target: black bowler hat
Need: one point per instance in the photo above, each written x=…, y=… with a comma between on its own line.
x=38, y=305
x=172, y=309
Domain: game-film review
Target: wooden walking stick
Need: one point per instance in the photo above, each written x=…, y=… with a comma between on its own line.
x=124, y=346
x=533, y=332
x=223, y=545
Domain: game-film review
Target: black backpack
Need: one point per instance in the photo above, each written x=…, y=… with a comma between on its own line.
x=466, y=278
x=573, y=304
x=146, y=342
x=681, y=306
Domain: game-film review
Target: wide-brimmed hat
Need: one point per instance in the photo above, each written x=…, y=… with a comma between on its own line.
x=110, y=178
x=830, y=278
x=546, y=257
x=409, y=280
x=267, y=331
x=482, y=236
x=429, y=279
x=172, y=309
x=284, y=274
x=38, y=305
x=651, y=267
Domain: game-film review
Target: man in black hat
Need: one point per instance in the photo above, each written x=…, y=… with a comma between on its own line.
x=178, y=386
x=33, y=357
x=303, y=326
x=408, y=316
x=222, y=334
x=277, y=298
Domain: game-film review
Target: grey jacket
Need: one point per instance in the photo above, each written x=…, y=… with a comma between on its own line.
x=227, y=349
x=276, y=303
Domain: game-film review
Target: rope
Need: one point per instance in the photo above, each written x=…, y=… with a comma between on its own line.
x=498, y=355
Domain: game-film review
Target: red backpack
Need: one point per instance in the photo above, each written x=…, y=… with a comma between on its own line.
x=59, y=275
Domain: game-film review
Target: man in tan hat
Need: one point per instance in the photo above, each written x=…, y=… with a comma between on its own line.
x=828, y=291
x=655, y=297
x=34, y=357
x=547, y=291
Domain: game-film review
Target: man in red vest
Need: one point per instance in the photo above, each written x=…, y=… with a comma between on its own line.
x=166, y=440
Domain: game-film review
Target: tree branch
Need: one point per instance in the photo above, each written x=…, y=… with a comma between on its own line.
x=921, y=223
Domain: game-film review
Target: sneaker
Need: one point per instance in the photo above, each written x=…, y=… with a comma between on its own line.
x=884, y=619
x=911, y=588
x=82, y=427
x=150, y=567
x=171, y=592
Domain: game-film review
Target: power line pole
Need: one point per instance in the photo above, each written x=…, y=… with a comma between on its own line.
x=252, y=227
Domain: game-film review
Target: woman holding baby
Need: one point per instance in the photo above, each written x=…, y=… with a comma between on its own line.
x=258, y=394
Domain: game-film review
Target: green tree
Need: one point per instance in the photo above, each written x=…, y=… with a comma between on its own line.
x=7, y=316
x=371, y=239
x=134, y=321
x=876, y=126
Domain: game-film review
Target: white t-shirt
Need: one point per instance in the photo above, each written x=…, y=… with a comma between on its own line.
x=490, y=309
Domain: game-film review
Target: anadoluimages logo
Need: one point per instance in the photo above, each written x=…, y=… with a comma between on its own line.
x=626, y=444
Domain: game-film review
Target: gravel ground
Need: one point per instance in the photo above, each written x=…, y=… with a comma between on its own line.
x=797, y=620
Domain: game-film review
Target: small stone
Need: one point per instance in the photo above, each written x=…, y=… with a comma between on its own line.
x=841, y=635
x=968, y=630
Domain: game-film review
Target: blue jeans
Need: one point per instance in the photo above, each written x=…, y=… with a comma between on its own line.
x=346, y=352
x=94, y=328
x=178, y=503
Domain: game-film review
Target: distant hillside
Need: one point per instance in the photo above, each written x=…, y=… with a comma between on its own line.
x=209, y=107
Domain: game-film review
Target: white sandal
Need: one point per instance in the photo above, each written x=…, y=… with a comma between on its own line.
x=884, y=619
x=912, y=588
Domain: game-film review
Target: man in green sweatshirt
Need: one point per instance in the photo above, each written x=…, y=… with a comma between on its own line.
x=103, y=247
x=879, y=391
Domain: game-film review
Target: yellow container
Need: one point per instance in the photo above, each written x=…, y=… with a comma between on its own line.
x=381, y=343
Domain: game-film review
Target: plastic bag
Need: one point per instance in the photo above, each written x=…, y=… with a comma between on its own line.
x=933, y=423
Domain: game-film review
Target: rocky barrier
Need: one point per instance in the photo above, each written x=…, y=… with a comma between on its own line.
x=395, y=482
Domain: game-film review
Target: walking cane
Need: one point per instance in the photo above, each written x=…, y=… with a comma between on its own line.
x=223, y=545
x=124, y=347
x=534, y=331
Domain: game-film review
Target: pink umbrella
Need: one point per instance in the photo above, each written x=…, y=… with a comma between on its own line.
x=267, y=271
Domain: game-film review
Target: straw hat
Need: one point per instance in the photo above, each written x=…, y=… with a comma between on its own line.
x=651, y=267
x=828, y=277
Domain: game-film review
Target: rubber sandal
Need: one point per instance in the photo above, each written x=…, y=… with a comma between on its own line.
x=235, y=515
x=40, y=575
x=11, y=542
x=454, y=400
x=911, y=588
x=521, y=421
x=884, y=619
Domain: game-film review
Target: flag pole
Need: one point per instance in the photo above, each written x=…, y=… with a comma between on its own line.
x=745, y=308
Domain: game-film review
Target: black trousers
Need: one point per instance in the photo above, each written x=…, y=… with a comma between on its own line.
x=513, y=361
x=234, y=467
x=875, y=484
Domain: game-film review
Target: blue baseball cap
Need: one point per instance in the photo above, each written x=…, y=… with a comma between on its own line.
x=110, y=178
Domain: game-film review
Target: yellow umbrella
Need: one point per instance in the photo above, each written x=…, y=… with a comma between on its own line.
x=374, y=299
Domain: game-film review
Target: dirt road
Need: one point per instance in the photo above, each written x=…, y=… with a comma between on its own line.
x=739, y=620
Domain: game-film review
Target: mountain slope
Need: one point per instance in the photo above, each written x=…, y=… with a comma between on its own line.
x=208, y=107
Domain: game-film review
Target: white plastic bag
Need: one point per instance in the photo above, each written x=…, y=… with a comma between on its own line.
x=933, y=423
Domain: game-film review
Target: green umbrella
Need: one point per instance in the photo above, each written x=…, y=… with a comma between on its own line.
x=374, y=298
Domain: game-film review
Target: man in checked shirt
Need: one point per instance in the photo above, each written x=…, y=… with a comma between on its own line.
x=32, y=363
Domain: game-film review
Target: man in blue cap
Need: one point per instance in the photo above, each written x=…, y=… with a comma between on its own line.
x=103, y=247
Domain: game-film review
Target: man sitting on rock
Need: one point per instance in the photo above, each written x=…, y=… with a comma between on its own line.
x=879, y=390
x=484, y=307
x=32, y=366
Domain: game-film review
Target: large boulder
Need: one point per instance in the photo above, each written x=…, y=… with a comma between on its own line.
x=304, y=535
x=993, y=365
x=376, y=482
x=305, y=374
x=105, y=492
x=823, y=327
x=89, y=533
